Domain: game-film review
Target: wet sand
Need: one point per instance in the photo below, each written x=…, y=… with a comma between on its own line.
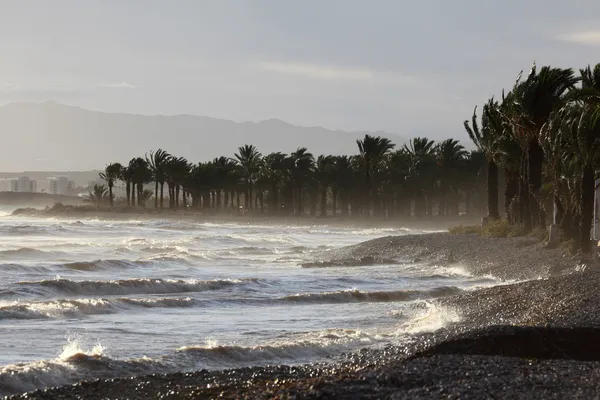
x=538, y=338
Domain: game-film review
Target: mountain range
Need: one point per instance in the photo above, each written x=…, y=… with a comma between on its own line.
x=52, y=136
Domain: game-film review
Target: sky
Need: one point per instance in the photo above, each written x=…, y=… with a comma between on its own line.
x=414, y=68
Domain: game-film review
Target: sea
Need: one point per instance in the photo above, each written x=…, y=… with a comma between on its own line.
x=89, y=299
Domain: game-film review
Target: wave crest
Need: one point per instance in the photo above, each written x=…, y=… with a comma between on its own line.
x=355, y=295
x=132, y=286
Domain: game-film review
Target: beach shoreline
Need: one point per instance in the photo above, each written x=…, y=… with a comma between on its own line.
x=82, y=213
x=552, y=304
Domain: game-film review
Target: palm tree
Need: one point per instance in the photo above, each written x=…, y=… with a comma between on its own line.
x=421, y=154
x=99, y=196
x=532, y=101
x=450, y=158
x=140, y=175
x=488, y=140
x=176, y=172
x=224, y=168
x=272, y=172
x=372, y=153
x=323, y=177
x=111, y=173
x=249, y=159
x=300, y=164
x=157, y=161
x=343, y=182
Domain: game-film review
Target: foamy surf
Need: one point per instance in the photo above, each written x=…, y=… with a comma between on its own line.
x=75, y=364
x=80, y=308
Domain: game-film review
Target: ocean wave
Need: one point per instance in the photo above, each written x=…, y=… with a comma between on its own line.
x=354, y=295
x=79, y=308
x=28, y=252
x=25, y=230
x=55, y=309
x=131, y=286
x=76, y=364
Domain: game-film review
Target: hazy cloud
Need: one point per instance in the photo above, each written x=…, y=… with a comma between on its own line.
x=588, y=38
x=118, y=85
x=316, y=71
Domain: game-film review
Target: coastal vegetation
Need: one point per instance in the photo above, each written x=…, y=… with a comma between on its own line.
x=422, y=178
x=544, y=136
x=539, y=142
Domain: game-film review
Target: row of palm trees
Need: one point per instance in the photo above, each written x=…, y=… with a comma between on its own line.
x=544, y=136
x=420, y=178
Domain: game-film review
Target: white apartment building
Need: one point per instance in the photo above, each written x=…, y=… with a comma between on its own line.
x=23, y=185
x=59, y=185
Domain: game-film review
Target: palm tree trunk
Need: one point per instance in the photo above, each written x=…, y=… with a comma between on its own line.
x=176, y=197
x=511, y=189
x=587, y=207
x=334, y=201
x=133, y=195
x=128, y=192
x=184, y=199
x=536, y=160
x=323, y=209
x=162, y=188
x=300, y=210
x=110, y=194
x=492, y=189
x=156, y=194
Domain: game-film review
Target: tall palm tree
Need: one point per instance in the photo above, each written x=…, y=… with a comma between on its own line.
x=111, y=173
x=488, y=140
x=176, y=171
x=140, y=175
x=273, y=172
x=249, y=159
x=532, y=101
x=421, y=153
x=323, y=177
x=372, y=153
x=450, y=158
x=343, y=182
x=301, y=165
x=157, y=161
x=225, y=168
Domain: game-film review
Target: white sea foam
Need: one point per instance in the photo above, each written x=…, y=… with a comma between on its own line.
x=430, y=316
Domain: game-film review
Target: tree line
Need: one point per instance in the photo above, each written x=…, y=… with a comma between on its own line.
x=421, y=178
x=544, y=137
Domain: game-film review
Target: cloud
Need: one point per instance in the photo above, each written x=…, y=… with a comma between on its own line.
x=588, y=38
x=335, y=73
x=118, y=85
x=316, y=71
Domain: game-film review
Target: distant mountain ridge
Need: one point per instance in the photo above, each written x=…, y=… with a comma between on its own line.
x=53, y=136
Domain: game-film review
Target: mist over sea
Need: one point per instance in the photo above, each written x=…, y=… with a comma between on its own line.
x=94, y=299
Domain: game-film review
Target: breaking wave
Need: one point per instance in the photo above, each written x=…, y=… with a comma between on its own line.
x=78, y=308
x=76, y=364
x=354, y=295
x=132, y=286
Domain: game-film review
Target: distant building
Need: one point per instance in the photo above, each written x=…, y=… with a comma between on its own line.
x=60, y=185
x=5, y=184
x=23, y=185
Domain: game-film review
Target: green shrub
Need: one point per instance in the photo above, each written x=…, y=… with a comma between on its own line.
x=497, y=228
x=465, y=229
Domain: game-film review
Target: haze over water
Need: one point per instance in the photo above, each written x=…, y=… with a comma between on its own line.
x=89, y=299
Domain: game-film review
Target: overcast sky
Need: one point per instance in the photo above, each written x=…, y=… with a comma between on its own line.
x=406, y=67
